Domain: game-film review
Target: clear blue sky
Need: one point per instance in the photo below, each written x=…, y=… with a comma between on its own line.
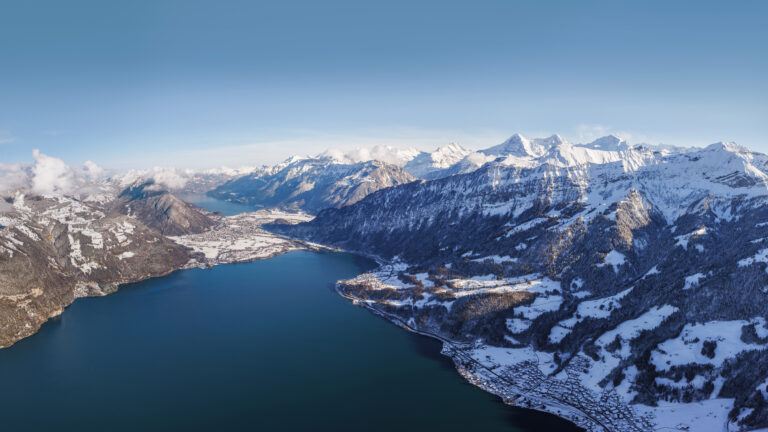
x=193, y=83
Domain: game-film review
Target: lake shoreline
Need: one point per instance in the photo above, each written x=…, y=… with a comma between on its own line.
x=453, y=351
x=121, y=345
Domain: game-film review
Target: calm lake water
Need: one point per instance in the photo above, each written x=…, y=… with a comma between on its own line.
x=260, y=346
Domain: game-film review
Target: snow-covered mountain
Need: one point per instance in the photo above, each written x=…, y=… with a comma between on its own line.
x=623, y=287
x=426, y=164
x=293, y=183
x=312, y=184
x=521, y=146
x=608, y=143
x=517, y=150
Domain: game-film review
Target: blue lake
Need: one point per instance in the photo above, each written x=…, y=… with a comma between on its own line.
x=266, y=345
x=226, y=208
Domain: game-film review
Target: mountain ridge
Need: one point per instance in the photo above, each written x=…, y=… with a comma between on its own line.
x=311, y=184
x=671, y=242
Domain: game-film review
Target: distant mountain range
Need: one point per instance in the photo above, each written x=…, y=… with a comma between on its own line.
x=312, y=184
x=337, y=179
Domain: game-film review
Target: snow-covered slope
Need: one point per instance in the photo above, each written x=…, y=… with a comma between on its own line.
x=608, y=143
x=523, y=152
x=627, y=283
x=521, y=146
x=426, y=164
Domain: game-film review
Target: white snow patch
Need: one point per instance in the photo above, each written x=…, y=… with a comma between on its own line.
x=683, y=240
x=517, y=325
x=693, y=280
x=542, y=304
x=654, y=270
x=687, y=347
x=615, y=259
x=525, y=226
x=631, y=329
x=705, y=416
x=497, y=259
x=599, y=308
x=761, y=256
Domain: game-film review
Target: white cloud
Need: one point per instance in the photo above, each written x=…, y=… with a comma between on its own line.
x=384, y=153
x=12, y=177
x=92, y=170
x=51, y=175
x=171, y=178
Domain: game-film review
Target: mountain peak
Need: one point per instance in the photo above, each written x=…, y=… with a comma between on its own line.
x=608, y=143
x=452, y=148
x=518, y=145
x=516, y=137
x=728, y=146
x=553, y=140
